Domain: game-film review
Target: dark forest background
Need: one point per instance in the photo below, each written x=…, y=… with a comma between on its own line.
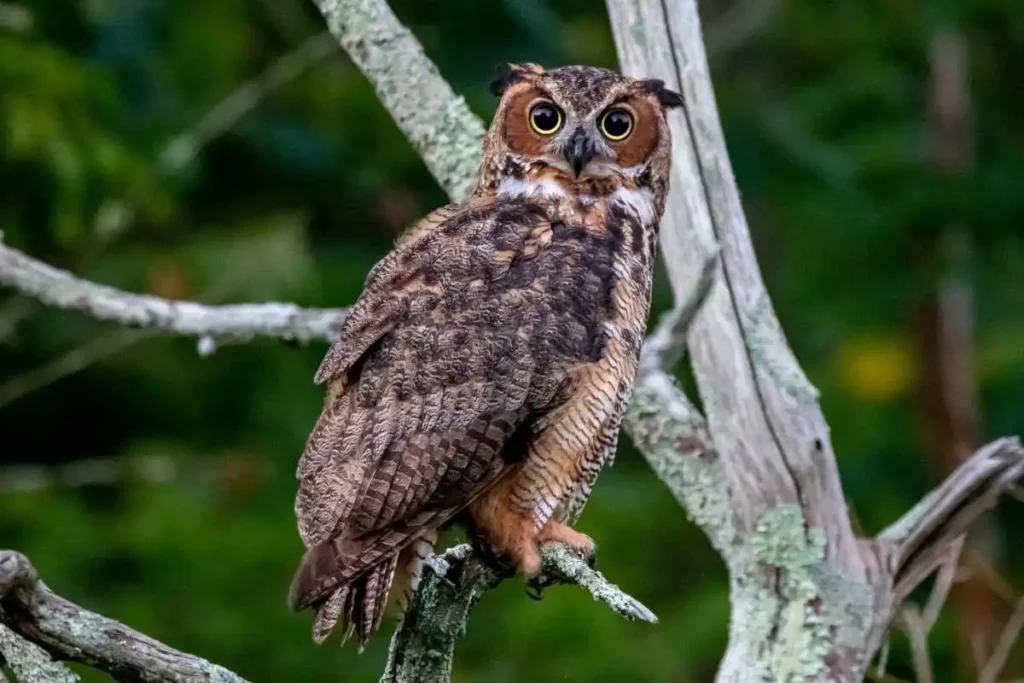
x=155, y=486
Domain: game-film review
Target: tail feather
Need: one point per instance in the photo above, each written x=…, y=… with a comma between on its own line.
x=328, y=613
x=378, y=583
x=360, y=602
x=336, y=580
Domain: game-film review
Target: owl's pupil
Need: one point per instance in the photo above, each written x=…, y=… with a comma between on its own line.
x=545, y=118
x=617, y=123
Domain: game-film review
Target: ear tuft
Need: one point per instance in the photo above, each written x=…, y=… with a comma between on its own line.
x=504, y=76
x=508, y=74
x=669, y=99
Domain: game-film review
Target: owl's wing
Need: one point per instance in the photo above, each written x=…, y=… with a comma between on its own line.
x=430, y=381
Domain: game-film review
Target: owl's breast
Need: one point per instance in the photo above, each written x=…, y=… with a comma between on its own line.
x=598, y=277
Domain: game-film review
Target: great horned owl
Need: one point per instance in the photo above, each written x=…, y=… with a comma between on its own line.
x=482, y=375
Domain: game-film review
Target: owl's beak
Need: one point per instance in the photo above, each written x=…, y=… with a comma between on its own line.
x=579, y=150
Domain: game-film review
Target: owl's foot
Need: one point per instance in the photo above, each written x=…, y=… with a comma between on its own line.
x=510, y=534
x=581, y=544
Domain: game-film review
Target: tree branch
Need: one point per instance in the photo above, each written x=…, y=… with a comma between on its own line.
x=216, y=324
x=70, y=633
x=759, y=475
x=451, y=585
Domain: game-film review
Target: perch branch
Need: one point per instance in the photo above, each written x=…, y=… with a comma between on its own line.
x=70, y=633
x=451, y=585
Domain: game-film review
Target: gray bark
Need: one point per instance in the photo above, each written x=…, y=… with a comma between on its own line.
x=808, y=599
x=48, y=626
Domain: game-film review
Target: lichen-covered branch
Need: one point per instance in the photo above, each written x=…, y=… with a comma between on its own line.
x=422, y=648
x=809, y=600
x=38, y=627
x=211, y=324
x=29, y=662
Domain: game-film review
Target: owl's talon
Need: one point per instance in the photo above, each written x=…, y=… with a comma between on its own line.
x=535, y=592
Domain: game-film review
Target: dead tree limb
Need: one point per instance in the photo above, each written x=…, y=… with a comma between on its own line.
x=58, y=630
x=809, y=599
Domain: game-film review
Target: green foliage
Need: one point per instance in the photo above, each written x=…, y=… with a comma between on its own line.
x=825, y=112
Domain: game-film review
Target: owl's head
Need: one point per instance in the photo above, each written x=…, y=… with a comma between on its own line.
x=577, y=130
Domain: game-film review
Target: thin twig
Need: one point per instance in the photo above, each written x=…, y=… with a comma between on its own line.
x=979, y=566
x=73, y=361
x=180, y=151
x=917, y=633
x=943, y=583
x=994, y=666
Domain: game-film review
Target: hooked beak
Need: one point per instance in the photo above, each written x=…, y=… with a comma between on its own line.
x=579, y=150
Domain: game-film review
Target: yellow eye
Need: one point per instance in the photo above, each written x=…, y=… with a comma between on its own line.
x=616, y=124
x=546, y=118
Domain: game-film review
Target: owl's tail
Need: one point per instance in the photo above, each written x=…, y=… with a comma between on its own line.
x=361, y=602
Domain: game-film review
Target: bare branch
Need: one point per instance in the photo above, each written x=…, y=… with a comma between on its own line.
x=438, y=123
x=921, y=538
x=71, y=633
x=222, y=324
x=73, y=361
x=990, y=672
x=108, y=471
x=664, y=347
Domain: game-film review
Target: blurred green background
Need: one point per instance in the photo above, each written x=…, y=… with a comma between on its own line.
x=156, y=486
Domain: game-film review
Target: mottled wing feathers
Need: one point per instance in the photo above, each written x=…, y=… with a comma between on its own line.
x=432, y=375
x=451, y=475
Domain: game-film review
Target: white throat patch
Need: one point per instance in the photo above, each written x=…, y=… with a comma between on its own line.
x=513, y=187
x=640, y=202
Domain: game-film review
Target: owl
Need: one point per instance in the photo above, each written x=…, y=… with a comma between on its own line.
x=482, y=375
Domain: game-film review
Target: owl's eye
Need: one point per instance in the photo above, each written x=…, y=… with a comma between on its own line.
x=545, y=118
x=616, y=124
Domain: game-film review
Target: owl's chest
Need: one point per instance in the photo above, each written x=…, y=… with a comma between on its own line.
x=593, y=287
